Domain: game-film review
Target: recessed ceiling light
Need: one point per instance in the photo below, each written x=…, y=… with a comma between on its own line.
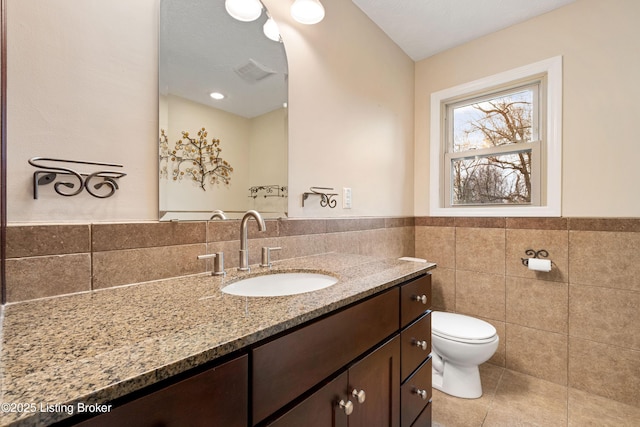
x=244, y=10
x=270, y=30
x=307, y=11
x=216, y=95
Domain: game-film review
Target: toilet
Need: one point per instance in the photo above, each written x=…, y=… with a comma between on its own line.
x=459, y=345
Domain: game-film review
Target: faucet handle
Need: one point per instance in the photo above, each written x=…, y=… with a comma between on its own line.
x=218, y=263
x=266, y=256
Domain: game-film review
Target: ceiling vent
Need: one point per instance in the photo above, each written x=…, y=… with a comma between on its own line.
x=253, y=71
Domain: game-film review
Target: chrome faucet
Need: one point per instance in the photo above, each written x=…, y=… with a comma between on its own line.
x=244, y=250
x=217, y=214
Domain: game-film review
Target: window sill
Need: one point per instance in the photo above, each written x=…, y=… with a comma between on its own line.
x=498, y=211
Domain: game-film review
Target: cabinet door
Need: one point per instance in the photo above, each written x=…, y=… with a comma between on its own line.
x=217, y=397
x=378, y=375
x=287, y=367
x=424, y=419
x=321, y=409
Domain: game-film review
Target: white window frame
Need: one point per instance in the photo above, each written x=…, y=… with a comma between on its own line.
x=550, y=150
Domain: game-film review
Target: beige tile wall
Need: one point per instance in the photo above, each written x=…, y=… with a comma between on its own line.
x=50, y=260
x=578, y=325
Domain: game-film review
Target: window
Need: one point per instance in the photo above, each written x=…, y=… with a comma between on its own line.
x=496, y=144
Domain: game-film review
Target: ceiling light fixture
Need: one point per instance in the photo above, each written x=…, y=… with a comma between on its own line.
x=216, y=95
x=270, y=29
x=307, y=11
x=244, y=10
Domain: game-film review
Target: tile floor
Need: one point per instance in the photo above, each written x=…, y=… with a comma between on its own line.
x=513, y=399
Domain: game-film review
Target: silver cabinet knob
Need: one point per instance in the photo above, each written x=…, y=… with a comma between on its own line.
x=422, y=344
x=360, y=395
x=421, y=393
x=420, y=298
x=347, y=406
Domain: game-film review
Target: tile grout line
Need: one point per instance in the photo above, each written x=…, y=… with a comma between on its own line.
x=491, y=402
x=568, y=316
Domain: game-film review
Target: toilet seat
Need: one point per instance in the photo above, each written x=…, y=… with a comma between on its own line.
x=461, y=328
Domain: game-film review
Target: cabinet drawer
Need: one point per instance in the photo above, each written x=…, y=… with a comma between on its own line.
x=323, y=405
x=411, y=394
x=424, y=419
x=216, y=397
x=288, y=366
x=412, y=303
x=413, y=339
x=377, y=375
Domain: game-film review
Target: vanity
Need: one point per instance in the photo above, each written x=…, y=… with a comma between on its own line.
x=353, y=354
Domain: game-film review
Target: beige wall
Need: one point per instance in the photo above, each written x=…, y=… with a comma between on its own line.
x=350, y=112
x=234, y=133
x=83, y=85
x=601, y=61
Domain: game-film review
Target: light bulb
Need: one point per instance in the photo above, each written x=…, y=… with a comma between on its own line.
x=307, y=11
x=271, y=30
x=244, y=10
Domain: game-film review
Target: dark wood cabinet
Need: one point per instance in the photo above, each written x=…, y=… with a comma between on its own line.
x=416, y=394
x=217, y=397
x=378, y=376
x=424, y=419
x=285, y=368
x=366, y=365
x=415, y=299
x=416, y=344
x=365, y=395
x=415, y=315
x=321, y=409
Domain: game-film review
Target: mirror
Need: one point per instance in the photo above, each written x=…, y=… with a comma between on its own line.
x=239, y=161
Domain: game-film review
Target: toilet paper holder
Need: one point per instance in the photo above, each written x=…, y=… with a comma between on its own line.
x=541, y=254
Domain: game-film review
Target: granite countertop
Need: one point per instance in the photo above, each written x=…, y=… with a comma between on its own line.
x=94, y=347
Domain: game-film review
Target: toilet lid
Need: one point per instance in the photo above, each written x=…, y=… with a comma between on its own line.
x=459, y=327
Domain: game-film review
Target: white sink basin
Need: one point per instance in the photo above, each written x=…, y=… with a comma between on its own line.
x=279, y=284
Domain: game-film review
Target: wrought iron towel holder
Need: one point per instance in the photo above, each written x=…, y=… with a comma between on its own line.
x=326, y=199
x=269, y=191
x=49, y=174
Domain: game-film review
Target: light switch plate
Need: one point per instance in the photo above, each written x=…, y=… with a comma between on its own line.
x=346, y=198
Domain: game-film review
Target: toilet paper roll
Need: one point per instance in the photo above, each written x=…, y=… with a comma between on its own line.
x=537, y=264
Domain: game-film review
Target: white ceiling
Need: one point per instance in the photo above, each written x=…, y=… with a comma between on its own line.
x=201, y=45
x=423, y=28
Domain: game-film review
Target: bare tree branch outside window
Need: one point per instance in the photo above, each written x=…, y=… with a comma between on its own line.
x=486, y=177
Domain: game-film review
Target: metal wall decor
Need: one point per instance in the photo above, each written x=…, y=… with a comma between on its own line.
x=100, y=184
x=268, y=191
x=196, y=159
x=326, y=199
x=164, y=155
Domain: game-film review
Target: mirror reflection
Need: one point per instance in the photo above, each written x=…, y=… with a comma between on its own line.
x=222, y=114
